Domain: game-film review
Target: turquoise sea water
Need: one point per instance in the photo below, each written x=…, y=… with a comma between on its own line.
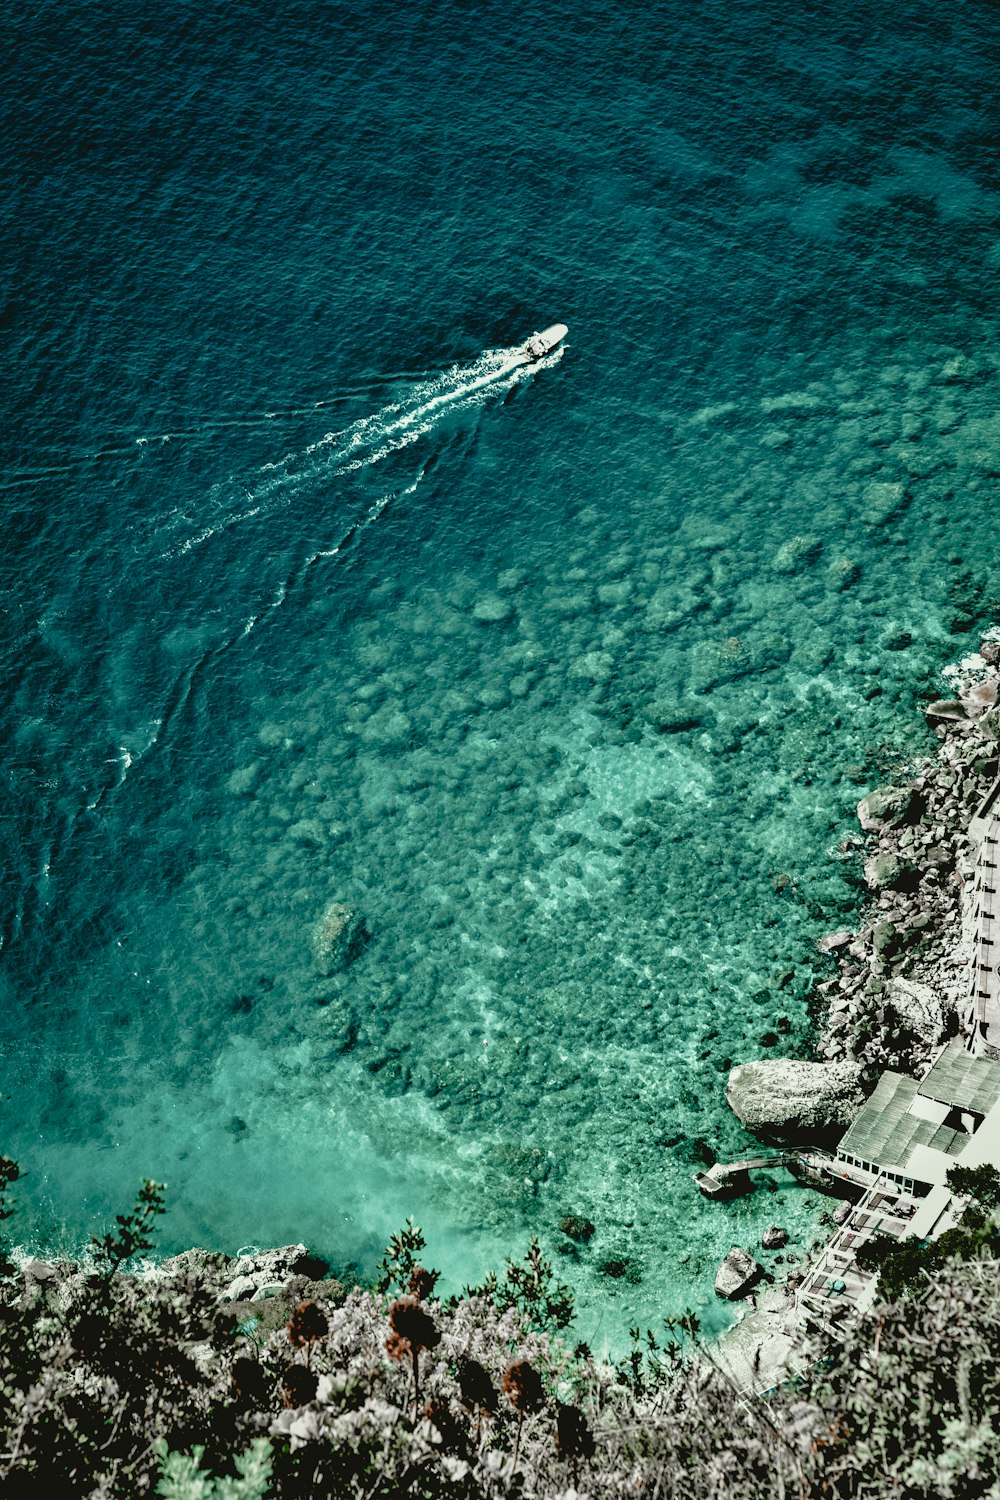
x=569, y=683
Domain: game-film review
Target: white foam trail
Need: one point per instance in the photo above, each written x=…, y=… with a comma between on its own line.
x=398, y=424
x=371, y=439
x=370, y=516
x=493, y=362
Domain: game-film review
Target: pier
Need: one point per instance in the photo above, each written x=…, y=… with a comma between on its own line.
x=732, y=1179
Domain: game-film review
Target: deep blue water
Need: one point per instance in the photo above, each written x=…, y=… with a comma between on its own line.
x=264, y=472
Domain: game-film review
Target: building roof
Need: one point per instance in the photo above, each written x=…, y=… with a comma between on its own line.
x=885, y=1132
x=961, y=1080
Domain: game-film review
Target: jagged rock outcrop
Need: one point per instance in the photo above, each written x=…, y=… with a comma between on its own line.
x=251, y=1276
x=979, y=697
x=919, y=1008
x=737, y=1275
x=785, y=1099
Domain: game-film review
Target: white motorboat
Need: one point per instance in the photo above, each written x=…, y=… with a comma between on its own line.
x=543, y=343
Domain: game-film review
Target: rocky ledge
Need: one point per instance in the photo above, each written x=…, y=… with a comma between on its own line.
x=264, y=1284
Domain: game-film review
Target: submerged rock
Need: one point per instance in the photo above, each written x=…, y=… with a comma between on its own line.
x=577, y=1227
x=338, y=937
x=797, y=553
x=595, y=666
x=243, y=781
x=843, y=573
x=490, y=609
x=737, y=1275
x=884, y=502
x=785, y=1099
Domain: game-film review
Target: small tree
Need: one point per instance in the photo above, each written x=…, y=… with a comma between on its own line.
x=524, y=1390
x=134, y=1233
x=399, y=1265
x=544, y=1303
x=307, y=1325
x=982, y=1184
x=182, y=1477
x=476, y=1391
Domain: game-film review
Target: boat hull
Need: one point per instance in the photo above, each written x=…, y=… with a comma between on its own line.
x=541, y=344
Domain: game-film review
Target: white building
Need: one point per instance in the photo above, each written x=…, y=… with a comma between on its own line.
x=984, y=899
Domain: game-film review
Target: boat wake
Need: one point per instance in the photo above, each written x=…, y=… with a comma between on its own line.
x=371, y=439
x=366, y=443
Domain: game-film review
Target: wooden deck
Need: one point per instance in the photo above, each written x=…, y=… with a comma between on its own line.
x=833, y=1283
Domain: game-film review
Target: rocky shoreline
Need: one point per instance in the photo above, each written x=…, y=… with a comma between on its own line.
x=902, y=978
x=902, y=984
x=260, y=1284
x=899, y=991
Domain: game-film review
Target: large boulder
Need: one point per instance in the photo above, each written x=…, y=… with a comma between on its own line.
x=919, y=1008
x=338, y=937
x=946, y=711
x=784, y=1099
x=979, y=697
x=888, y=807
x=886, y=940
x=887, y=871
x=737, y=1275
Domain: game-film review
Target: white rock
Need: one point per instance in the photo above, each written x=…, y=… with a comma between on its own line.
x=919, y=1008
x=240, y=1288
x=786, y=1098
